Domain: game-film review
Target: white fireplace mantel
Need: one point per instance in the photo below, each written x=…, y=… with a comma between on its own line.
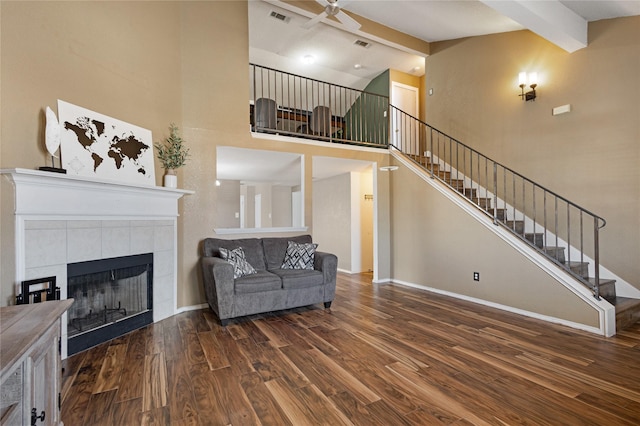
x=57, y=194
x=61, y=219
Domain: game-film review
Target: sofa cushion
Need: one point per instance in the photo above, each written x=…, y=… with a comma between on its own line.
x=276, y=247
x=299, y=278
x=255, y=283
x=237, y=259
x=299, y=256
x=252, y=249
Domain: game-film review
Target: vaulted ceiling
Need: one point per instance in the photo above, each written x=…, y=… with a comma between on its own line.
x=281, y=43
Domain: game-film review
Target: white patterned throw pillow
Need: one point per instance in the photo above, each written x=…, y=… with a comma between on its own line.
x=299, y=256
x=237, y=259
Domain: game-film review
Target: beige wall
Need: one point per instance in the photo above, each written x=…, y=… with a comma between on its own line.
x=590, y=155
x=150, y=64
x=332, y=213
x=438, y=245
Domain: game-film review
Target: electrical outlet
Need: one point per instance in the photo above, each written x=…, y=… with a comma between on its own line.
x=476, y=276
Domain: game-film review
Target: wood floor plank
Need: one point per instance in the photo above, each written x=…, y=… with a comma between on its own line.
x=212, y=350
x=193, y=348
x=238, y=362
x=156, y=417
x=430, y=393
x=328, y=376
x=262, y=401
x=231, y=396
x=100, y=408
x=205, y=391
x=109, y=375
x=131, y=382
x=199, y=322
x=155, y=393
x=127, y=412
x=270, y=363
x=155, y=342
x=306, y=406
x=172, y=340
x=382, y=355
x=181, y=401
x=377, y=413
x=75, y=405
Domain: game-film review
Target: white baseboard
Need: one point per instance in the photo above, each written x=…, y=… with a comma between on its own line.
x=506, y=308
x=191, y=308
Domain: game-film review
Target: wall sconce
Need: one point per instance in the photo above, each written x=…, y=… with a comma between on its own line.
x=533, y=83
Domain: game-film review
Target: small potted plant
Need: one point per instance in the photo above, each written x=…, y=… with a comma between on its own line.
x=172, y=154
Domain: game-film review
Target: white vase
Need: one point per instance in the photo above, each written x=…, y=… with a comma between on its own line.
x=170, y=179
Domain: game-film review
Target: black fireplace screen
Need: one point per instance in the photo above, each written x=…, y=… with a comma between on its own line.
x=111, y=297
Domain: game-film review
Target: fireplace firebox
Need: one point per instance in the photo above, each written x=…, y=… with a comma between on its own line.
x=111, y=297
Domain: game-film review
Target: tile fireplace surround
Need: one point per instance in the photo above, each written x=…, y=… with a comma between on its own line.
x=61, y=219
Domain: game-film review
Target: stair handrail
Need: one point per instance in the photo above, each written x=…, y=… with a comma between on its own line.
x=420, y=136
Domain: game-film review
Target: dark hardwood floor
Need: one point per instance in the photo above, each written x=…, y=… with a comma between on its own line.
x=383, y=355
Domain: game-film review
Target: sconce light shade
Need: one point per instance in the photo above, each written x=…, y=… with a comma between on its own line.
x=533, y=83
x=522, y=78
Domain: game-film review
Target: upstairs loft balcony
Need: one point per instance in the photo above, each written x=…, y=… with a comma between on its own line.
x=292, y=105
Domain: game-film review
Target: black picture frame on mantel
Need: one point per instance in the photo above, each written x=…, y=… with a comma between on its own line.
x=38, y=290
x=52, y=169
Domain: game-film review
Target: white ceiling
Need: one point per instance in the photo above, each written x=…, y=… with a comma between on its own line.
x=282, y=45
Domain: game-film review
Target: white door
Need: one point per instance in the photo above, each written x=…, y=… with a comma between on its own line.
x=405, y=130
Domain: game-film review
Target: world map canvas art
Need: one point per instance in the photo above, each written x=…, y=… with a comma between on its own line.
x=95, y=145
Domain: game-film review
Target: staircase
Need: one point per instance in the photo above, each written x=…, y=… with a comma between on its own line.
x=627, y=310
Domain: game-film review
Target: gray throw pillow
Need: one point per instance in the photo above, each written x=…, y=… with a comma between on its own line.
x=299, y=256
x=237, y=259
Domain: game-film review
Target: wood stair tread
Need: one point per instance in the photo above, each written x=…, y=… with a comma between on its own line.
x=624, y=303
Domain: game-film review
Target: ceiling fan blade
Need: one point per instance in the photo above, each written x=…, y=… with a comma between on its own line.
x=311, y=22
x=348, y=21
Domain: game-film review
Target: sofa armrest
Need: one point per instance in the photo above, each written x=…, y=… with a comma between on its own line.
x=327, y=263
x=218, y=285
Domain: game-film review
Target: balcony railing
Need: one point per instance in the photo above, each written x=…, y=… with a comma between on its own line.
x=292, y=105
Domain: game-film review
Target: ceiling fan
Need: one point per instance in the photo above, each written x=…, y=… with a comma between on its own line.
x=331, y=8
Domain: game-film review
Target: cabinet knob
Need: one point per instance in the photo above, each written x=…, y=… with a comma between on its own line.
x=35, y=417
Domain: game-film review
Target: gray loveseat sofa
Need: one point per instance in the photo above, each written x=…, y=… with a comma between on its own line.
x=270, y=288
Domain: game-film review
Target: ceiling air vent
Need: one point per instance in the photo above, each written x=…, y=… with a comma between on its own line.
x=279, y=16
x=362, y=43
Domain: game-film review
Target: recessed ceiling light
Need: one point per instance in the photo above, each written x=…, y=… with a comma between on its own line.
x=416, y=68
x=308, y=59
x=357, y=66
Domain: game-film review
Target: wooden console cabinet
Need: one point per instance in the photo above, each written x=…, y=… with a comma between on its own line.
x=30, y=371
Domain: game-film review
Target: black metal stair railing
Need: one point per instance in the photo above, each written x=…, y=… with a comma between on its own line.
x=561, y=230
x=293, y=105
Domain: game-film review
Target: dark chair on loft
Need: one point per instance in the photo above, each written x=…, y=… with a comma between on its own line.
x=265, y=111
x=320, y=121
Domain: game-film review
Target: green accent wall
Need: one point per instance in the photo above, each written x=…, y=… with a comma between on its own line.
x=367, y=119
